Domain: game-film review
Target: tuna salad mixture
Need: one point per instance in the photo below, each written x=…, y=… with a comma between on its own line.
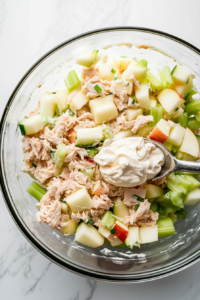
x=84, y=145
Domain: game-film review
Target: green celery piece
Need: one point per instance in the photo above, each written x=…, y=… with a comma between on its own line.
x=92, y=151
x=164, y=200
x=155, y=83
x=157, y=113
x=59, y=155
x=166, y=78
x=49, y=121
x=189, y=97
x=161, y=210
x=183, y=120
x=165, y=227
x=193, y=107
x=177, y=199
x=72, y=81
x=107, y=134
x=181, y=213
x=154, y=207
x=108, y=219
x=36, y=190
x=168, y=146
x=175, y=187
x=88, y=172
x=143, y=62
x=174, y=149
x=197, y=116
x=174, y=219
x=198, y=138
x=160, y=217
x=193, y=123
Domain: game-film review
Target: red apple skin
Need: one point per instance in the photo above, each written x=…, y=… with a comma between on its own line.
x=89, y=159
x=158, y=135
x=181, y=97
x=71, y=136
x=120, y=232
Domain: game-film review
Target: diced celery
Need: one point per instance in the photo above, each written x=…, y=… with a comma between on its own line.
x=183, y=120
x=157, y=113
x=155, y=83
x=108, y=219
x=154, y=207
x=197, y=116
x=59, y=156
x=189, y=98
x=166, y=78
x=88, y=172
x=177, y=199
x=49, y=121
x=193, y=123
x=161, y=210
x=36, y=190
x=175, y=187
x=107, y=134
x=72, y=81
x=174, y=219
x=92, y=151
x=168, y=146
x=143, y=62
x=181, y=213
x=185, y=183
x=193, y=107
x=165, y=227
x=174, y=149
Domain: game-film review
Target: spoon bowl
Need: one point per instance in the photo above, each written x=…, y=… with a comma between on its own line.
x=172, y=164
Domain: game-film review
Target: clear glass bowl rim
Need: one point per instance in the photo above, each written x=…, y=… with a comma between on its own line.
x=178, y=266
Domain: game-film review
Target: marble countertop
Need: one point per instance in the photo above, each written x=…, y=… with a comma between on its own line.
x=27, y=30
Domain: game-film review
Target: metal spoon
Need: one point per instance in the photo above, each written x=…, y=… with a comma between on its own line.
x=172, y=164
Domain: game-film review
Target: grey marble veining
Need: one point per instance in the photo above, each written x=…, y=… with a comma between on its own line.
x=27, y=30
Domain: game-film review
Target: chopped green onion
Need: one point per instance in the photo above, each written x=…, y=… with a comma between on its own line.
x=193, y=123
x=112, y=230
x=88, y=172
x=34, y=165
x=108, y=219
x=90, y=221
x=183, y=120
x=63, y=201
x=136, y=207
x=166, y=78
x=138, y=198
x=97, y=88
x=115, y=78
x=113, y=71
x=157, y=113
x=92, y=151
x=36, y=190
x=72, y=81
x=53, y=92
x=193, y=107
x=70, y=112
x=165, y=227
x=133, y=101
x=181, y=213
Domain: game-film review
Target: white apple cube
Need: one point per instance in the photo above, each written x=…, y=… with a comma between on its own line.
x=121, y=85
x=70, y=228
x=123, y=134
x=142, y=95
x=123, y=63
x=184, y=89
x=170, y=100
x=137, y=69
x=103, y=109
x=106, y=70
x=47, y=105
x=88, y=136
x=148, y=234
x=132, y=114
x=88, y=59
x=153, y=191
x=180, y=74
x=114, y=241
x=153, y=102
x=79, y=201
x=61, y=99
x=190, y=144
x=176, y=135
x=31, y=125
x=88, y=236
x=161, y=132
x=79, y=100
x=133, y=237
x=193, y=197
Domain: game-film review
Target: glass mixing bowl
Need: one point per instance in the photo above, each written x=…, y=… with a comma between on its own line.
x=159, y=259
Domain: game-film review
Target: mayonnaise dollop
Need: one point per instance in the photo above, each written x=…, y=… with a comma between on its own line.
x=129, y=161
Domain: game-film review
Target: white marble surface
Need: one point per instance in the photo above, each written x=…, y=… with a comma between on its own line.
x=29, y=28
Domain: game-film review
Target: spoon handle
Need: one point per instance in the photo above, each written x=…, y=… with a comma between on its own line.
x=187, y=166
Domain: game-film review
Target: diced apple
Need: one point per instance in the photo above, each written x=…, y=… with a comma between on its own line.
x=31, y=125
x=170, y=100
x=184, y=89
x=137, y=69
x=64, y=208
x=88, y=59
x=148, y=234
x=106, y=70
x=123, y=133
x=79, y=100
x=120, y=210
x=121, y=231
x=177, y=114
x=180, y=74
x=70, y=228
x=71, y=136
x=89, y=236
x=79, y=201
x=190, y=144
x=145, y=130
x=61, y=99
x=193, y=197
x=176, y=135
x=161, y=132
x=103, y=109
x=121, y=85
x=88, y=136
x=47, y=105
x=114, y=241
x=132, y=113
x=153, y=102
x=97, y=189
x=123, y=63
x=142, y=95
x=153, y=191
x=133, y=237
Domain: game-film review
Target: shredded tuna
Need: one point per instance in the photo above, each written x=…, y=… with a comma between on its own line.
x=36, y=149
x=80, y=165
x=81, y=179
x=112, y=190
x=50, y=211
x=129, y=193
x=35, y=111
x=130, y=103
x=89, y=84
x=44, y=171
x=121, y=123
x=102, y=202
x=74, y=152
x=51, y=136
x=89, y=72
x=64, y=123
x=135, y=82
x=65, y=174
x=120, y=102
x=76, y=217
x=140, y=122
x=85, y=120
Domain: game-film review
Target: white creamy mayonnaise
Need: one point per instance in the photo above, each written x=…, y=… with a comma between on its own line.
x=129, y=162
